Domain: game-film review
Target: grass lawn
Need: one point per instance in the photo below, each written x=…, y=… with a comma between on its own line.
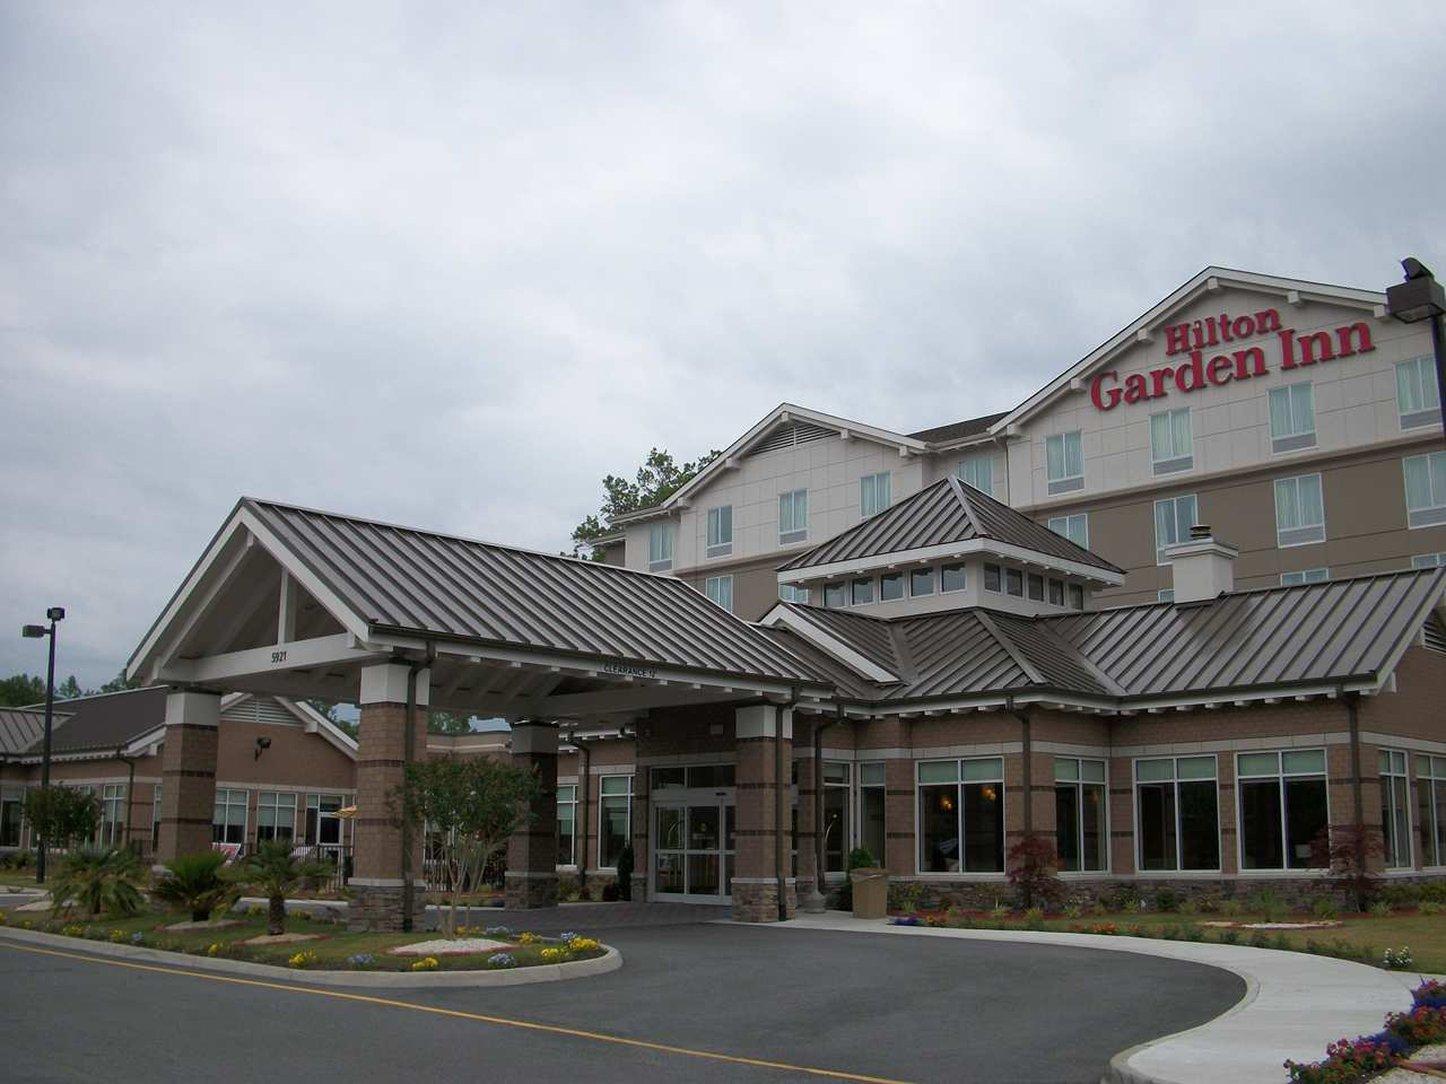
x=14, y=878
x=333, y=946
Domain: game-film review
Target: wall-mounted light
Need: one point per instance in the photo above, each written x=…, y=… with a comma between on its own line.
x=262, y=744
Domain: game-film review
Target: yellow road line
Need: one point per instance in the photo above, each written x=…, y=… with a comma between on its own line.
x=500, y=1021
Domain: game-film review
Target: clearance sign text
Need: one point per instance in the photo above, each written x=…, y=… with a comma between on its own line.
x=1203, y=369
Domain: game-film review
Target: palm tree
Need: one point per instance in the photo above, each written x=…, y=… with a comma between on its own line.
x=98, y=878
x=275, y=872
x=195, y=882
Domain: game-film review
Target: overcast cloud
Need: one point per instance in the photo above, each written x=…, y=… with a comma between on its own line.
x=449, y=264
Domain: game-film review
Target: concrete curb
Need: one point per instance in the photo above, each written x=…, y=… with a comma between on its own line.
x=611, y=960
x=1294, y=1003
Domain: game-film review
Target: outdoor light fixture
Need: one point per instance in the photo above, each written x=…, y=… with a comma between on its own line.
x=1419, y=298
x=262, y=744
x=35, y=632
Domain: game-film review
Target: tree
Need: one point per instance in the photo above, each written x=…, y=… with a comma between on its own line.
x=120, y=683
x=657, y=479
x=62, y=816
x=98, y=878
x=329, y=709
x=1033, y=868
x=1353, y=856
x=21, y=690
x=69, y=689
x=473, y=804
x=275, y=872
x=196, y=883
x=449, y=722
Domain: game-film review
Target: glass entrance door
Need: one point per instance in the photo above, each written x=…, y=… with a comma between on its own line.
x=693, y=843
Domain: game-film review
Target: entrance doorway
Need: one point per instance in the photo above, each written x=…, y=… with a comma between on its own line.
x=693, y=843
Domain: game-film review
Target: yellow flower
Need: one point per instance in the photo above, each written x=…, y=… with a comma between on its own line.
x=73, y=930
x=554, y=955
x=304, y=958
x=213, y=948
x=426, y=963
x=583, y=944
x=527, y=939
x=117, y=936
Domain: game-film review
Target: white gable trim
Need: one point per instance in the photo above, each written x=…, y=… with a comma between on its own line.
x=783, y=617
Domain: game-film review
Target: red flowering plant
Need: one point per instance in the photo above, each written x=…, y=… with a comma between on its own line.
x=1032, y=872
x=1421, y=1026
x=1348, y=1060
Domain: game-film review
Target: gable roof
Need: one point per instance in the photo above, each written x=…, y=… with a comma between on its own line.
x=1210, y=280
x=22, y=727
x=945, y=512
x=970, y=427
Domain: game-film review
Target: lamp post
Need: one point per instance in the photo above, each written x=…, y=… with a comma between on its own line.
x=1419, y=298
x=35, y=632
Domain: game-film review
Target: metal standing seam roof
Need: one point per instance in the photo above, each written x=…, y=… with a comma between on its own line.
x=409, y=580
x=22, y=727
x=945, y=511
x=970, y=427
x=106, y=721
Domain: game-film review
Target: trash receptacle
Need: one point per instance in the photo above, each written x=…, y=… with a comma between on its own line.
x=871, y=892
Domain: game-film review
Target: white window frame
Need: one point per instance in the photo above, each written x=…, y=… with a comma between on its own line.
x=977, y=470
x=963, y=569
x=1181, y=530
x=846, y=826
x=867, y=582
x=1293, y=437
x=1075, y=526
x=275, y=801
x=860, y=785
x=1079, y=783
x=903, y=579
x=111, y=829
x=1432, y=514
x=961, y=874
x=1280, y=775
x=601, y=799
x=1178, y=452
x=1179, y=850
x=793, y=592
x=1428, y=560
x=570, y=802
x=1416, y=381
x=719, y=590
x=718, y=541
x=229, y=803
x=1064, y=480
x=660, y=547
x=1429, y=779
x=841, y=585
x=1303, y=533
x=1305, y=575
x=792, y=516
x=1387, y=770
x=875, y=493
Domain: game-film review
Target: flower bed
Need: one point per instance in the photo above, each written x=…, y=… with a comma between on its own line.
x=1348, y=1061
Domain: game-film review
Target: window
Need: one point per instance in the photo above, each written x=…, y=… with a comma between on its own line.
x=12, y=805
x=615, y=818
x=861, y=591
x=792, y=516
x=993, y=578
x=1431, y=793
x=961, y=815
x=111, y=832
x=1056, y=592
x=1064, y=462
x=1417, y=394
x=720, y=531
x=228, y=821
x=871, y=834
x=1428, y=560
x=275, y=815
x=1282, y=808
x=660, y=547
x=1075, y=527
x=720, y=590
x=1176, y=814
x=873, y=493
x=921, y=582
x=1292, y=417
x=1035, y=584
x=1165, y=594
x=1014, y=582
x=951, y=578
x=891, y=586
x=978, y=471
x=1076, y=597
x=1395, y=808
x=1299, y=511
x=1425, y=489
x=1174, y=516
x=836, y=782
x=567, y=825
x=835, y=595
x=323, y=820
x=1305, y=575
x=1170, y=447
x=1080, y=838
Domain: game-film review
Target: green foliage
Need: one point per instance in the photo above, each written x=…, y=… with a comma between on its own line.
x=21, y=690
x=448, y=722
x=196, y=883
x=98, y=879
x=1381, y=909
x=657, y=479
x=1352, y=856
x=1033, y=872
x=1167, y=899
x=860, y=858
x=274, y=872
x=62, y=815
x=1268, y=904
x=1324, y=907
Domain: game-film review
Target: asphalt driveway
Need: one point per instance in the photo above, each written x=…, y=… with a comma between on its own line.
x=859, y=1006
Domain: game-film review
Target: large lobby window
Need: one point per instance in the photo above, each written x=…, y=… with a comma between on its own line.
x=1292, y=417
x=567, y=825
x=792, y=516
x=228, y=821
x=871, y=808
x=1064, y=462
x=1417, y=396
x=1177, y=814
x=275, y=815
x=874, y=493
x=1079, y=814
x=660, y=547
x=615, y=818
x=1174, y=516
x=1171, y=449
x=1282, y=808
x=961, y=815
x=978, y=471
x=1425, y=489
x=1431, y=810
x=720, y=531
x=1395, y=808
x=836, y=784
x=1299, y=511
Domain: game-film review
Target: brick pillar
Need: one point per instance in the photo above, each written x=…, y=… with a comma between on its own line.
x=755, y=878
x=807, y=836
x=532, y=850
x=1122, y=816
x=188, y=773
x=377, y=829
x=901, y=855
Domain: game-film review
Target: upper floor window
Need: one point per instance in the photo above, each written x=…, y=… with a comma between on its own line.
x=792, y=592
x=1299, y=510
x=1425, y=489
x=1075, y=527
x=720, y=531
x=921, y=582
x=660, y=547
x=1064, y=462
x=1428, y=560
x=1056, y=592
x=993, y=578
x=891, y=586
x=792, y=516
x=952, y=578
x=835, y=595
x=1174, y=516
x=874, y=494
x=1014, y=581
x=1417, y=395
x=1170, y=445
x=1306, y=575
x=862, y=591
x=720, y=590
x=977, y=470
x=1076, y=597
x=1292, y=417
x=1035, y=584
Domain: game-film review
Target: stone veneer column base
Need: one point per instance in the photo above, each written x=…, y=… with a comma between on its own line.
x=757, y=901
x=523, y=890
x=379, y=908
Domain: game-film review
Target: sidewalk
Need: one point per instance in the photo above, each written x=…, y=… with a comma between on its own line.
x=1295, y=1003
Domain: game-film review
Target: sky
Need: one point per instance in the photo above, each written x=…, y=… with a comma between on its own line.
x=450, y=264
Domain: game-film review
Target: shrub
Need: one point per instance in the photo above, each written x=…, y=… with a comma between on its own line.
x=1351, y=855
x=1324, y=907
x=553, y=955
x=1397, y=959
x=582, y=944
x=275, y=872
x=1072, y=910
x=1431, y=907
x=1167, y=899
x=527, y=938
x=1230, y=908
x=1381, y=909
x=195, y=882
x=610, y=893
x=1423, y=1025
x=1431, y=992
x=1229, y=937
x=1268, y=904
x=1034, y=919
x=1348, y=1060
x=1033, y=871
x=98, y=878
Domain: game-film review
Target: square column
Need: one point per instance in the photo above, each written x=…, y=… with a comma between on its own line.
x=380, y=769
x=763, y=734
x=531, y=878
x=188, y=773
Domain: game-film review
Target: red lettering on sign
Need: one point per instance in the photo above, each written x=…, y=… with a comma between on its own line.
x=1135, y=388
x=1352, y=334
x=1104, y=399
x=1158, y=378
x=1191, y=376
x=1177, y=339
x=1287, y=349
x=1266, y=321
x=1219, y=370
x=1252, y=354
x=1316, y=340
